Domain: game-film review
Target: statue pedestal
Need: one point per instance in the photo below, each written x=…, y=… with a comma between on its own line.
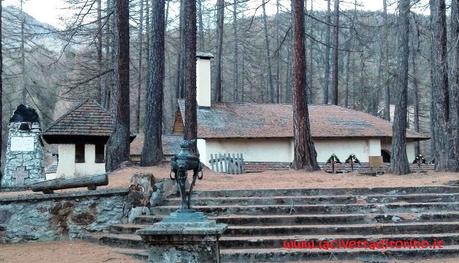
x=184, y=236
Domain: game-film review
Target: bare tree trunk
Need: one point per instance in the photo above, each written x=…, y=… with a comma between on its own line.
x=236, y=53
x=180, y=80
x=311, y=57
x=335, y=67
x=100, y=85
x=278, y=55
x=385, y=62
x=1, y=93
x=268, y=55
x=22, y=48
x=444, y=161
x=348, y=64
x=288, y=73
x=201, y=26
x=114, y=56
x=455, y=74
x=220, y=24
x=414, y=53
x=327, y=55
x=152, y=151
x=118, y=144
x=305, y=156
x=139, y=74
x=191, y=123
x=105, y=100
x=399, y=160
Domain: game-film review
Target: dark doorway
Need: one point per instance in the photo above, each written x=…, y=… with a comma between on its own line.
x=385, y=156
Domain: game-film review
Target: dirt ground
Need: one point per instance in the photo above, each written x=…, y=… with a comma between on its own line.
x=277, y=179
x=79, y=251
x=61, y=252
x=289, y=179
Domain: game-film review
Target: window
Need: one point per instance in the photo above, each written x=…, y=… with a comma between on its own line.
x=100, y=153
x=79, y=153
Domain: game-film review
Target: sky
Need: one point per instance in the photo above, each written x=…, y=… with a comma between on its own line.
x=50, y=11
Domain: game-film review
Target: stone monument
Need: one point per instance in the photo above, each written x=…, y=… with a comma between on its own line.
x=185, y=235
x=24, y=158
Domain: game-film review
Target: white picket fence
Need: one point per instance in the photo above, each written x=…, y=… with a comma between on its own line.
x=227, y=163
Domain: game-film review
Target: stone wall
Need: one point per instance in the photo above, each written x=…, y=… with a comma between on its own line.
x=66, y=215
x=24, y=159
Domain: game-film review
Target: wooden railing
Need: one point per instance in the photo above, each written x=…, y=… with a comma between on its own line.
x=227, y=163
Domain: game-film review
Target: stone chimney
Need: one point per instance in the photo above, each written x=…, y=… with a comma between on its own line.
x=203, y=77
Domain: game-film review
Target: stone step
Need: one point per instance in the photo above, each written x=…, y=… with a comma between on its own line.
x=141, y=254
x=324, y=229
x=324, y=199
x=307, y=255
x=350, y=229
x=327, y=191
x=118, y=240
x=316, y=209
x=268, y=249
x=365, y=255
x=277, y=241
x=320, y=219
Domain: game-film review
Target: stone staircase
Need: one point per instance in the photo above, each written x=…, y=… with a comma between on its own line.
x=261, y=220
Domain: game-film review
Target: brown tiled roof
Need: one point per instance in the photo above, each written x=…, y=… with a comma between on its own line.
x=86, y=119
x=171, y=144
x=251, y=120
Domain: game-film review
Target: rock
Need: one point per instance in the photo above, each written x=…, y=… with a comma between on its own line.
x=137, y=211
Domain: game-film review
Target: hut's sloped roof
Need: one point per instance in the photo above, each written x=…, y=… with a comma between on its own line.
x=171, y=144
x=86, y=119
x=253, y=120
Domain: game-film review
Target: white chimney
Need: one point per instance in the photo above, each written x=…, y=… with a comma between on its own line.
x=203, y=85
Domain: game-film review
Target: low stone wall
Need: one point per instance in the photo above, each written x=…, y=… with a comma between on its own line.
x=58, y=216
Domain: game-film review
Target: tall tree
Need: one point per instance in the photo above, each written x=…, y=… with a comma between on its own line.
x=201, y=26
x=100, y=84
x=152, y=151
x=327, y=55
x=335, y=67
x=444, y=161
x=139, y=73
x=311, y=56
x=236, y=53
x=455, y=72
x=385, y=62
x=278, y=53
x=399, y=160
x=220, y=24
x=189, y=35
x=1, y=91
x=305, y=156
x=268, y=55
x=415, y=50
x=118, y=144
x=23, y=60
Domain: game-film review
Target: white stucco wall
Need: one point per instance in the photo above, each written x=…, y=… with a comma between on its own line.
x=68, y=168
x=89, y=167
x=281, y=150
x=362, y=148
x=410, y=150
x=254, y=150
x=66, y=165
